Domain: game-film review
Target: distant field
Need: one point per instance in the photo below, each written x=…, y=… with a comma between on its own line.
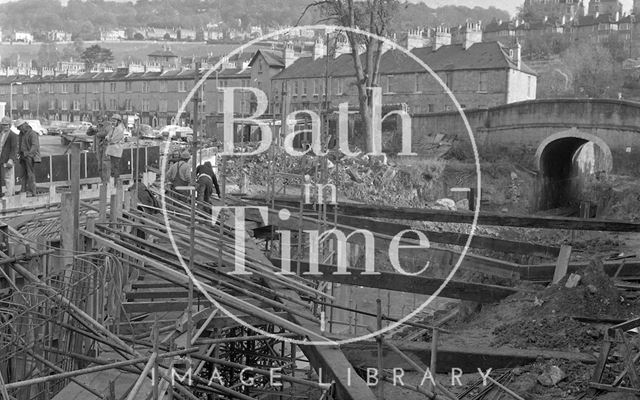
x=124, y=51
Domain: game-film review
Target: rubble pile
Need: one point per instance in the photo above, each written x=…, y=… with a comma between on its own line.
x=553, y=332
x=372, y=180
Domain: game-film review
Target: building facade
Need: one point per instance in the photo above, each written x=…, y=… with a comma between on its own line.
x=555, y=8
x=604, y=7
x=479, y=74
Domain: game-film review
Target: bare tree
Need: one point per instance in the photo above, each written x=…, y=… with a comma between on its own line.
x=373, y=16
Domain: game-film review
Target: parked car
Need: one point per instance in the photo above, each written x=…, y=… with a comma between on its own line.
x=176, y=132
x=56, y=127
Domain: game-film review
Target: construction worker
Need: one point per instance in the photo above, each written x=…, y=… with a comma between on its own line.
x=179, y=175
x=206, y=182
x=29, y=153
x=115, y=145
x=147, y=202
x=100, y=144
x=8, y=156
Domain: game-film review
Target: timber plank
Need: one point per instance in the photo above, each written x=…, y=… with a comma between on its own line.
x=477, y=292
x=466, y=217
x=469, y=359
x=458, y=239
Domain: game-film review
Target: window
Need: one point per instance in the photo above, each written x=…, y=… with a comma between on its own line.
x=220, y=105
x=163, y=106
x=25, y=89
x=316, y=84
x=182, y=86
x=113, y=87
x=163, y=86
x=127, y=104
x=76, y=105
x=52, y=104
x=449, y=80
x=529, y=87
x=260, y=66
x=25, y=104
x=339, y=86
x=430, y=108
x=63, y=88
x=482, y=82
x=304, y=87
x=127, y=86
x=76, y=88
x=64, y=104
x=145, y=87
x=96, y=88
x=52, y=88
x=388, y=82
x=418, y=87
x=95, y=105
x=295, y=87
x=145, y=105
x=113, y=105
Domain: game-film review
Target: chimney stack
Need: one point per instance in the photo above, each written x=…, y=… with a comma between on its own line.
x=288, y=54
x=319, y=48
x=472, y=34
x=442, y=37
x=516, y=54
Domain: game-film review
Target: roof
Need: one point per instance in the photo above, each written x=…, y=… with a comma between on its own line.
x=271, y=57
x=593, y=20
x=480, y=56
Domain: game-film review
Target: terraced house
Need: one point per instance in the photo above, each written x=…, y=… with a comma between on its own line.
x=479, y=74
x=153, y=94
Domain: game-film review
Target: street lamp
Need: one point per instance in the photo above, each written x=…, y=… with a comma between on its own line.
x=11, y=97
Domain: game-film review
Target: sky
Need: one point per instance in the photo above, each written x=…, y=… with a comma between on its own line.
x=508, y=5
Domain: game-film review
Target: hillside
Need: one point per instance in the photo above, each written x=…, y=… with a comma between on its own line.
x=86, y=18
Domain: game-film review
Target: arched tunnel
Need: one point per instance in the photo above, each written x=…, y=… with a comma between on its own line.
x=566, y=162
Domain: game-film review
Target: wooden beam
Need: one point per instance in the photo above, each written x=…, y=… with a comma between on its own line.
x=562, y=264
x=477, y=292
x=466, y=217
x=544, y=272
x=455, y=238
x=433, y=254
x=156, y=294
x=468, y=358
x=154, y=306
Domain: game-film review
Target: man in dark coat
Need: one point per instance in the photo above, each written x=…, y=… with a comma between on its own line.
x=8, y=156
x=209, y=181
x=29, y=153
x=100, y=144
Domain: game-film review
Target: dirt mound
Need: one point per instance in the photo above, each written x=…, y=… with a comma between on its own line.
x=541, y=317
x=595, y=296
x=555, y=332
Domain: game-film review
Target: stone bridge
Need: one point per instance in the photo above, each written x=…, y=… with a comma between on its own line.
x=546, y=136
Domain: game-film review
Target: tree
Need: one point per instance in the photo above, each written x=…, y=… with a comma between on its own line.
x=95, y=55
x=595, y=73
x=372, y=16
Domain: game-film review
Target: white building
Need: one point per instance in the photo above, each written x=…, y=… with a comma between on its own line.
x=21, y=36
x=113, y=35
